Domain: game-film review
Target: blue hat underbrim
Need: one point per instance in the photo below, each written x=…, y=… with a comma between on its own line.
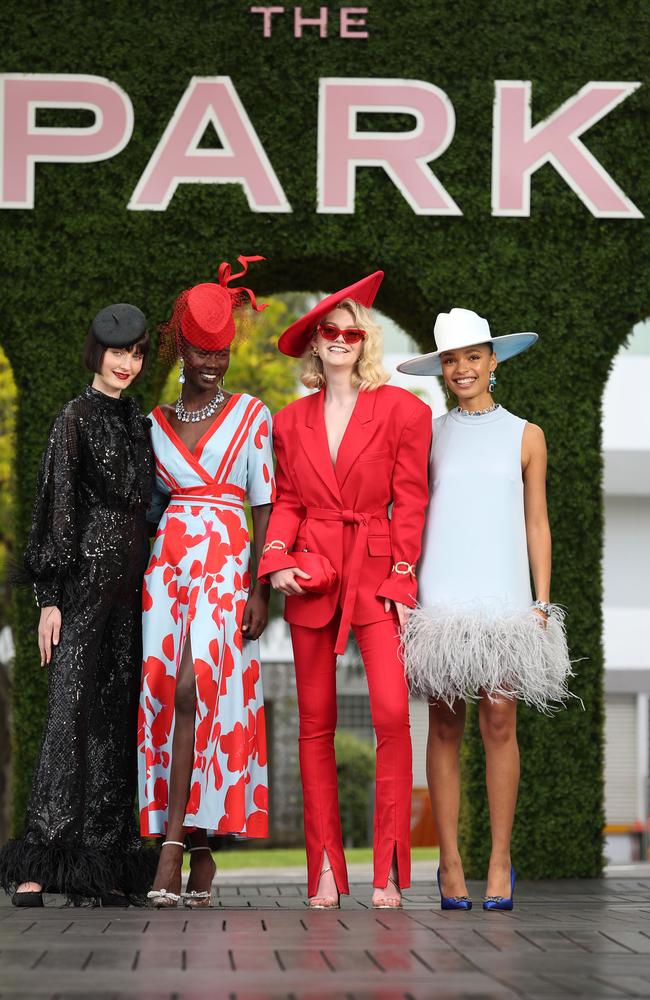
x=504, y=347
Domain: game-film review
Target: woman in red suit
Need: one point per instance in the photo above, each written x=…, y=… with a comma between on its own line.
x=344, y=454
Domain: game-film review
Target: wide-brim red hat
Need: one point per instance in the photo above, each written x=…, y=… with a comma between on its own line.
x=295, y=339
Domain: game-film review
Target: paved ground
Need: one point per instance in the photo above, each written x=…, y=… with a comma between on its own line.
x=564, y=939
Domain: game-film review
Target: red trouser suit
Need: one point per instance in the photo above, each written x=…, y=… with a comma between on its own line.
x=342, y=512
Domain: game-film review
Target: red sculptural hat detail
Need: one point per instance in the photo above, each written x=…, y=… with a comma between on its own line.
x=295, y=339
x=204, y=313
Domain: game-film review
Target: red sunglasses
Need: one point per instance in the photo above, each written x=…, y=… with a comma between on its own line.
x=332, y=332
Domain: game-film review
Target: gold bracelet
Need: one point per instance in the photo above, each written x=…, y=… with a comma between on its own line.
x=277, y=543
x=403, y=568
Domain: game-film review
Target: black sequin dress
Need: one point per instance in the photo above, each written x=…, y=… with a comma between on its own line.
x=86, y=554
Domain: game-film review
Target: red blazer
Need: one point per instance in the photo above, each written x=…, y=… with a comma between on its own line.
x=341, y=512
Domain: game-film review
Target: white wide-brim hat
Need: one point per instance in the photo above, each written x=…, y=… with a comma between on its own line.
x=464, y=328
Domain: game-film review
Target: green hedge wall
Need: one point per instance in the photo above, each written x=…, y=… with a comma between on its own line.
x=582, y=282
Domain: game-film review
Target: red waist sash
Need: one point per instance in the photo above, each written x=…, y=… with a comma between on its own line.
x=214, y=495
x=361, y=519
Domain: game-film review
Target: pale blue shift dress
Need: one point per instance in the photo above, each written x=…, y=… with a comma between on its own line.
x=474, y=632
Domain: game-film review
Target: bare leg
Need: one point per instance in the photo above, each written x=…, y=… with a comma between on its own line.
x=498, y=722
x=443, y=777
x=168, y=873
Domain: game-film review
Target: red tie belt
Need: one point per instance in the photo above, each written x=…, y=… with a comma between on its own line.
x=362, y=521
x=214, y=495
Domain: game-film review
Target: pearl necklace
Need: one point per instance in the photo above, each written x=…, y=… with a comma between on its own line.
x=478, y=413
x=193, y=416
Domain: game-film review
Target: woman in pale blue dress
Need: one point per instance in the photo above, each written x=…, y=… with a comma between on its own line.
x=478, y=634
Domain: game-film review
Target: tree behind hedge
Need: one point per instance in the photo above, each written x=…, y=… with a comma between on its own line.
x=355, y=766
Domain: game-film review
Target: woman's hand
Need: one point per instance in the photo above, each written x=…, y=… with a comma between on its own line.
x=285, y=581
x=541, y=614
x=256, y=613
x=403, y=611
x=49, y=630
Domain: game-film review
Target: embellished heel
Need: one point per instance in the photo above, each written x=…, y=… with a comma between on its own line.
x=198, y=900
x=162, y=899
x=453, y=902
x=502, y=902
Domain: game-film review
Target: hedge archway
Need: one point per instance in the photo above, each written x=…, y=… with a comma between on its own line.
x=581, y=281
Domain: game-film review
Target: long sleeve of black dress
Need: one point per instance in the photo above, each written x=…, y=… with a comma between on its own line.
x=52, y=547
x=86, y=554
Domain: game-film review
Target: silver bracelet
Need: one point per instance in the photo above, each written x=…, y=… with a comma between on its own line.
x=544, y=606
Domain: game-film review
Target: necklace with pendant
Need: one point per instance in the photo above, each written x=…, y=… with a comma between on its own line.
x=478, y=413
x=193, y=416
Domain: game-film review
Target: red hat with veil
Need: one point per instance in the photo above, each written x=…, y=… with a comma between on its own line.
x=203, y=315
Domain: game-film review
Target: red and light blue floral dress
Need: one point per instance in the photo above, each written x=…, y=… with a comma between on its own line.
x=195, y=588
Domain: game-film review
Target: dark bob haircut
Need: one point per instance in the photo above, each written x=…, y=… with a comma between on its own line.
x=93, y=352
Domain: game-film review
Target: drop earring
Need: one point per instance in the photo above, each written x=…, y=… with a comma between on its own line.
x=492, y=382
x=181, y=373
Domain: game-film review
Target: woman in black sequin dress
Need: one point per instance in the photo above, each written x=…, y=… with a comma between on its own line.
x=86, y=556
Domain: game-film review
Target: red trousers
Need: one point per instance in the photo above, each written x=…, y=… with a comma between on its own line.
x=316, y=685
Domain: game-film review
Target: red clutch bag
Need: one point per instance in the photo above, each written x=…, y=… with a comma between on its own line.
x=322, y=573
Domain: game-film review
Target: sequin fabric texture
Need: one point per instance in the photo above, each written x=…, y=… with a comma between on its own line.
x=86, y=554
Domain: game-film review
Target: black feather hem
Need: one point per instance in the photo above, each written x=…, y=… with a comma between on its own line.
x=78, y=871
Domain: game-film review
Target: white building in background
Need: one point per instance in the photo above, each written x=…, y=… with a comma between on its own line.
x=626, y=574
x=626, y=444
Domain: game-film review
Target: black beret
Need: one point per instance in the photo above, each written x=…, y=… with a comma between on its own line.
x=119, y=325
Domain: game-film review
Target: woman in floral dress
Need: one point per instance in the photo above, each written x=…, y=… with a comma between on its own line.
x=202, y=743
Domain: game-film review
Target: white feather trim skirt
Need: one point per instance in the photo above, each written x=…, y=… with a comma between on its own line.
x=462, y=653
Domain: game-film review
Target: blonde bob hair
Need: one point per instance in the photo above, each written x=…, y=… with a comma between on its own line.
x=369, y=373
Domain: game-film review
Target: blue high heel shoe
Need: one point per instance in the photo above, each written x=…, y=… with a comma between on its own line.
x=453, y=902
x=502, y=902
